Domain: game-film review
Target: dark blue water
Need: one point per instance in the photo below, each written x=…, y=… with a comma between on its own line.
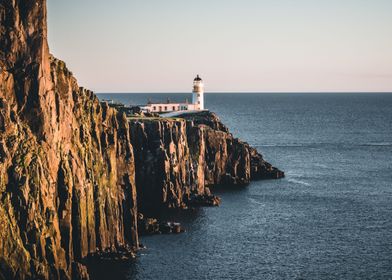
x=330, y=218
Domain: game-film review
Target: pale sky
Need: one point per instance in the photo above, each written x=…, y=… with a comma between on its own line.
x=235, y=45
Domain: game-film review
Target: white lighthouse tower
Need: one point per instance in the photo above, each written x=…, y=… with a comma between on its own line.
x=198, y=93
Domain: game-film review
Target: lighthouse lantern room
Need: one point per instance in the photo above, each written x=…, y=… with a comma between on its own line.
x=198, y=93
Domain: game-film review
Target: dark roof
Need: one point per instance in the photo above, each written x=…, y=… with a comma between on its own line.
x=197, y=78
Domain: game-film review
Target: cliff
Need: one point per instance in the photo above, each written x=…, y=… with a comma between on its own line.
x=230, y=160
x=164, y=172
x=67, y=185
x=74, y=171
x=178, y=160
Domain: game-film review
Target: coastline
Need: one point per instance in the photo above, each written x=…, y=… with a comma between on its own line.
x=77, y=173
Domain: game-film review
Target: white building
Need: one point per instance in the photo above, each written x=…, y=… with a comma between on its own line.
x=198, y=93
x=196, y=105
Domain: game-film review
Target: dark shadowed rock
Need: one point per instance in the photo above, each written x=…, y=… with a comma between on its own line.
x=79, y=272
x=177, y=158
x=150, y=226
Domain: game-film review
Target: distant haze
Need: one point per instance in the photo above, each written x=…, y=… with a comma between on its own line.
x=235, y=45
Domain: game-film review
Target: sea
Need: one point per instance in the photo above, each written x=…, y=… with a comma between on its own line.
x=330, y=218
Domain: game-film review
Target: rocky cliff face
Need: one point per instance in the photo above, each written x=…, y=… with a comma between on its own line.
x=229, y=161
x=67, y=184
x=179, y=159
x=164, y=171
x=73, y=171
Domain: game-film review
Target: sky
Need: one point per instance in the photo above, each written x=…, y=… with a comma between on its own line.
x=235, y=45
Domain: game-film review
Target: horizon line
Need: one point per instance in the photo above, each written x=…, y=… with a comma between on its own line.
x=222, y=92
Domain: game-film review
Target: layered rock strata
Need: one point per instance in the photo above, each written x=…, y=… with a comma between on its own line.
x=67, y=184
x=231, y=161
x=178, y=160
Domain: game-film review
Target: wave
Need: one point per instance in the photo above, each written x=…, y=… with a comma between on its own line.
x=381, y=144
x=295, y=181
x=254, y=201
x=320, y=165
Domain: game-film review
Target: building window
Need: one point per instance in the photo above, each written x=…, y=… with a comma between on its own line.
x=174, y=108
x=160, y=108
x=198, y=102
x=154, y=108
x=165, y=108
x=198, y=95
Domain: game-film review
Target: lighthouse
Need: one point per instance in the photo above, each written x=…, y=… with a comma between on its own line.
x=198, y=93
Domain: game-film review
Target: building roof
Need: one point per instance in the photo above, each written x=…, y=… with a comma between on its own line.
x=197, y=78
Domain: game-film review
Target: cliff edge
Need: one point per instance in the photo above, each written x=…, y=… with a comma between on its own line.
x=67, y=184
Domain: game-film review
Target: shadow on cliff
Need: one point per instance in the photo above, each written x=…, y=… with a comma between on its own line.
x=104, y=270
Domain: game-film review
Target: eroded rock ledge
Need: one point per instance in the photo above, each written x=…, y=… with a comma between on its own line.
x=178, y=160
x=73, y=171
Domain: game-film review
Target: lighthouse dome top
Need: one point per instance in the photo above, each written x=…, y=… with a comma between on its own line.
x=198, y=78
